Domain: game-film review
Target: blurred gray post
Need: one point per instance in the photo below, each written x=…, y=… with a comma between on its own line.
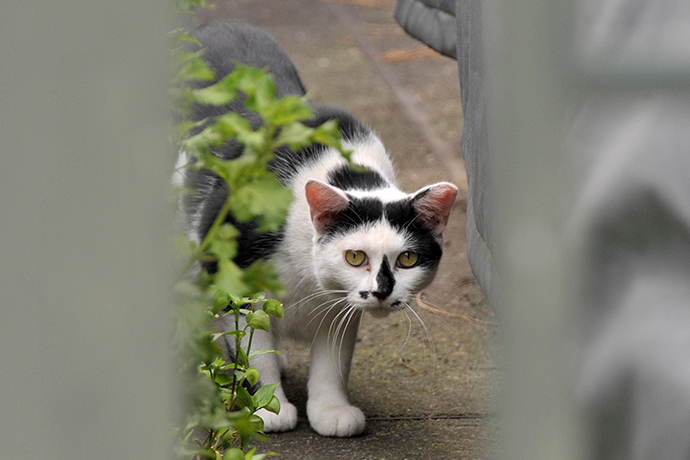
x=589, y=173
x=526, y=96
x=84, y=229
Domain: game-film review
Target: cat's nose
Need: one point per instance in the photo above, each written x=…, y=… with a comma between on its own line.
x=381, y=294
x=364, y=294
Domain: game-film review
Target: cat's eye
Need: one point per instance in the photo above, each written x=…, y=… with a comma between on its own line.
x=408, y=259
x=355, y=258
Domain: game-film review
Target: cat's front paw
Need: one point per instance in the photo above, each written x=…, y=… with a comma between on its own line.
x=286, y=420
x=336, y=420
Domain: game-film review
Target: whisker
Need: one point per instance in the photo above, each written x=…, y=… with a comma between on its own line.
x=331, y=335
x=409, y=331
x=324, y=308
x=428, y=335
x=344, y=324
x=325, y=315
x=314, y=295
x=435, y=309
x=332, y=338
x=342, y=330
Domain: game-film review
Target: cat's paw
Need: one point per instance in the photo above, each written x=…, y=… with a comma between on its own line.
x=336, y=420
x=286, y=420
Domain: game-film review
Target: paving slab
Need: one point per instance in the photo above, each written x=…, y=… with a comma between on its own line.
x=427, y=382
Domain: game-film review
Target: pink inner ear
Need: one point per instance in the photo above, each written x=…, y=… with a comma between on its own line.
x=324, y=203
x=433, y=205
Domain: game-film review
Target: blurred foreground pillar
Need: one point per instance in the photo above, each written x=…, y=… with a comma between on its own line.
x=83, y=229
x=526, y=96
x=577, y=148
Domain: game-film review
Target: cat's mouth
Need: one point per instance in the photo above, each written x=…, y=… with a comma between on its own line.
x=384, y=310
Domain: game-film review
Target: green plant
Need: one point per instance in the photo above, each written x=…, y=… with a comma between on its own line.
x=218, y=421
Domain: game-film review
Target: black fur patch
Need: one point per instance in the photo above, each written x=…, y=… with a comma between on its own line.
x=385, y=280
x=402, y=216
x=251, y=244
x=361, y=211
x=346, y=179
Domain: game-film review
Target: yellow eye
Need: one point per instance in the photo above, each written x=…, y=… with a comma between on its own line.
x=355, y=258
x=408, y=259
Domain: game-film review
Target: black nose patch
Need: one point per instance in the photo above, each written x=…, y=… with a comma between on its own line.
x=384, y=280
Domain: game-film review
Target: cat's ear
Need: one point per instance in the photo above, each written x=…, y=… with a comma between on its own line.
x=433, y=204
x=325, y=202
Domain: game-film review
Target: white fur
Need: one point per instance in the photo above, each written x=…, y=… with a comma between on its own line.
x=187, y=223
x=178, y=176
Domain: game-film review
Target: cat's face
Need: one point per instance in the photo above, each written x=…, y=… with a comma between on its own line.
x=378, y=249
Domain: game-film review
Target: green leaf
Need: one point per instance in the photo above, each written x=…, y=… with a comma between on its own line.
x=252, y=376
x=257, y=424
x=232, y=125
x=294, y=135
x=259, y=320
x=287, y=110
x=239, y=375
x=190, y=66
x=264, y=396
x=223, y=249
x=223, y=379
x=188, y=6
x=254, y=140
x=221, y=93
x=239, y=334
x=259, y=88
x=181, y=37
x=259, y=353
x=206, y=350
x=182, y=128
x=265, y=199
x=251, y=455
x=241, y=358
x=328, y=134
x=273, y=405
x=229, y=278
x=244, y=399
x=227, y=232
x=220, y=301
x=261, y=276
x=234, y=454
x=273, y=308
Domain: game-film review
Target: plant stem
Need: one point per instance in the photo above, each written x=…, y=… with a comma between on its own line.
x=224, y=211
x=238, y=343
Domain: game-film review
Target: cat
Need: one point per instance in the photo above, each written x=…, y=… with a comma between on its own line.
x=352, y=243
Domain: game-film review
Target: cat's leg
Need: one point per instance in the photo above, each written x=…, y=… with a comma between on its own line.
x=328, y=408
x=269, y=367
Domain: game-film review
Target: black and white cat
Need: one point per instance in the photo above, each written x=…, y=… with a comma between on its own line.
x=353, y=242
